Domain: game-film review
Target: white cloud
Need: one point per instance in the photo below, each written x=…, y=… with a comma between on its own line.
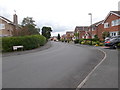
x=61, y=15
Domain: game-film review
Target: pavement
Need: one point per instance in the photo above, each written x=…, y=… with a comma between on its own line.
x=105, y=75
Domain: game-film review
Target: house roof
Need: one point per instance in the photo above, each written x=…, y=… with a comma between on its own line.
x=117, y=13
x=97, y=23
x=82, y=28
x=6, y=20
x=69, y=32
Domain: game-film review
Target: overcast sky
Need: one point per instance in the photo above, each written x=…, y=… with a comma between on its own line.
x=61, y=15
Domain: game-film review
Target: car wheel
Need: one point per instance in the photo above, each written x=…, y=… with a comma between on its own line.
x=115, y=46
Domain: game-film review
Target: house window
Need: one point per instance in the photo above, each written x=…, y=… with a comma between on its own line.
x=2, y=26
x=113, y=33
x=106, y=25
x=115, y=22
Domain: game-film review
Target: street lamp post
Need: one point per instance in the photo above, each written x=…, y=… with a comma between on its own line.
x=91, y=26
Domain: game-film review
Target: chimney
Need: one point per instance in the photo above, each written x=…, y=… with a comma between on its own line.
x=15, y=19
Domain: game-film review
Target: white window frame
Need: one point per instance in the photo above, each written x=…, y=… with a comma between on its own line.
x=114, y=33
x=106, y=25
x=2, y=26
x=115, y=22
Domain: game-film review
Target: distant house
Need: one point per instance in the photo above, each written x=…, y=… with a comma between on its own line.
x=96, y=29
x=100, y=30
x=7, y=27
x=81, y=31
x=69, y=35
x=63, y=36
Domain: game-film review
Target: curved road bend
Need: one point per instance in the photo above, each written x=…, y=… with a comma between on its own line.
x=61, y=66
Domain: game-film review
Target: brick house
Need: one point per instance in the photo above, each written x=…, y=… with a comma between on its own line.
x=100, y=30
x=82, y=31
x=7, y=27
x=97, y=29
x=112, y=23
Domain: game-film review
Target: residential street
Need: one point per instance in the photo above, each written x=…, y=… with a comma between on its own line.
x=61, y=66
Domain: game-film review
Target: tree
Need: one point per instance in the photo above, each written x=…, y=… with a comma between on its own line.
x=46, y=32
x=58, y=37
x=105, y=34
x=96, y=38
x=28, y=21
x=76, y=35
x=28, y=27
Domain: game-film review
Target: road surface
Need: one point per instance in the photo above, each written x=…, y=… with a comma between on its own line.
x=61, y=66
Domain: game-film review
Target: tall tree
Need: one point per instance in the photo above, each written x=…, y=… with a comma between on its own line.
x=28, y=21
x=46, y=31
x=28, y=27
x=58, y=37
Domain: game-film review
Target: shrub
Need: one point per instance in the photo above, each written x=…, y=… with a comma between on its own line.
x=65, y=40
x=76, y=41
x=29, y=42
x=118, y=44
x=68, y=40
x=101, y=44
x=94, y=43
x=83, y=42
x=62, y=40
x=80, y=40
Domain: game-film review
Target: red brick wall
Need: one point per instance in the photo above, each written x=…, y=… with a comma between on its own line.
x=81, y=33
x=100, y=29
x=109, y=20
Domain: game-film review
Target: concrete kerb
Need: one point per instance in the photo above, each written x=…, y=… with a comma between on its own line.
x=87, y=77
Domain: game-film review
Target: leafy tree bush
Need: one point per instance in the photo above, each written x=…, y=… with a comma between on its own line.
x=46, y=32
x=80, y=40
x=27, y=28
x=76, y=41
x=29, y=42
x=105, y=34
x=101, y=44
x=96, y=38
x=62, y=40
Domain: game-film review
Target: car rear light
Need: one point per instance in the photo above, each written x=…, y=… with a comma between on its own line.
x=108, y=42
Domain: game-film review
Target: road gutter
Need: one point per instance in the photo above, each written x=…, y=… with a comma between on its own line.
x=87, y=77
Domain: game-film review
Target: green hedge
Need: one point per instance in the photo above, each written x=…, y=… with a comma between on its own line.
x=0, y=44
x=29, y=42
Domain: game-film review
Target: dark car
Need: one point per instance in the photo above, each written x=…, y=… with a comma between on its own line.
x=113, y=42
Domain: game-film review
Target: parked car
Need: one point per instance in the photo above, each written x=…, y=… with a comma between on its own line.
x=107, y=39
x=113, y=42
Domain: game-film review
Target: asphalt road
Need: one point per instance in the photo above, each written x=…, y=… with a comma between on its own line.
x=61, y=66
